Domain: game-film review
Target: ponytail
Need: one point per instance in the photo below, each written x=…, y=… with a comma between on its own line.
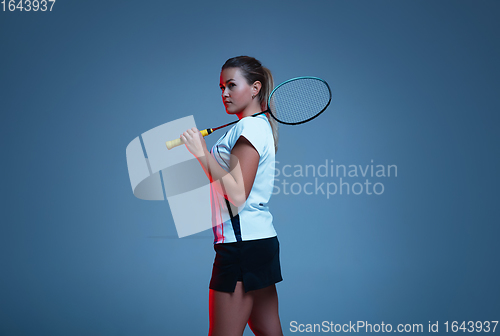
x=268, y=89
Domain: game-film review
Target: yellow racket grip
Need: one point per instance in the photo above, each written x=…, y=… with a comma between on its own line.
x=177, y=142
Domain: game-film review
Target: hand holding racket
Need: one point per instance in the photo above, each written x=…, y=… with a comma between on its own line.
x=295, y=101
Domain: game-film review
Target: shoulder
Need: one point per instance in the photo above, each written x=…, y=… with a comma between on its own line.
x=258, y=124
x=257, y=131
x=251, y=122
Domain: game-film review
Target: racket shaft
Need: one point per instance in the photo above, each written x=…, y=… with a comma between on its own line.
x=177, y=142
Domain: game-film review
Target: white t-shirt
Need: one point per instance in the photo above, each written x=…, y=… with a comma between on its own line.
x=252, y=220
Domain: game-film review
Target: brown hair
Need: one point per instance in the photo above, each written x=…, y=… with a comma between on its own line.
x=253, y=71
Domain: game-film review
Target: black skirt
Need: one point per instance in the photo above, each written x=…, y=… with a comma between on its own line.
x=254, y=262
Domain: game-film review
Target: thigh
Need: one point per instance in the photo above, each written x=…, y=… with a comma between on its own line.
x=229, y=312
x=264, y=319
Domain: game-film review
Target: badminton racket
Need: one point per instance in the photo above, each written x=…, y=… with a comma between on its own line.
x=295, y=101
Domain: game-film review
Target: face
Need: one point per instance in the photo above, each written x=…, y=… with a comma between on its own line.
x=236, y=92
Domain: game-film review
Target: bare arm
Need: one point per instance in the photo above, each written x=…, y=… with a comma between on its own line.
x=235, y=185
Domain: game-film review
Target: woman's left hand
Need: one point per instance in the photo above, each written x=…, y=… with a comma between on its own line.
x=194, y=142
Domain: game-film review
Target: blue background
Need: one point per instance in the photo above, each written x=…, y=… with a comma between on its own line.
x=415, y=84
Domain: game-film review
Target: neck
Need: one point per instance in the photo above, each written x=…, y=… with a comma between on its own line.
x=250, y=110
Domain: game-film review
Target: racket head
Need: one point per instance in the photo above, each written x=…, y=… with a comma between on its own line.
x=299, y=100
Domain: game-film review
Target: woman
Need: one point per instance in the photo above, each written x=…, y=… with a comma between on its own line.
x=240, y=167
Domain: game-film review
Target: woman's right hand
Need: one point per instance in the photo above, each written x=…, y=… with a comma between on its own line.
x=194, y=142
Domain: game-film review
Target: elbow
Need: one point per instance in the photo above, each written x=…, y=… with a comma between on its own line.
x=239, y=199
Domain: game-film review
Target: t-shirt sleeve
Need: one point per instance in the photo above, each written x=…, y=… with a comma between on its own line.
x=255, y=130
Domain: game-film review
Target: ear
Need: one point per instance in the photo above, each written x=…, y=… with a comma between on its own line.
x=256, y=86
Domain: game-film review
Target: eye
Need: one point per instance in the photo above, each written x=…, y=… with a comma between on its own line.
x=231, y=85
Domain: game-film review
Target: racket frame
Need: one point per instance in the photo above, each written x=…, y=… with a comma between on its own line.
x=291, y=80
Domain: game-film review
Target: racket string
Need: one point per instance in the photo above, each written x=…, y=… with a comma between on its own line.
x=299, y=100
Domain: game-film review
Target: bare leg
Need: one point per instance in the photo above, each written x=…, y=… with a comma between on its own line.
x=264, y=318
x=229, y=312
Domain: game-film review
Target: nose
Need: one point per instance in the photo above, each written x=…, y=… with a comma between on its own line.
x=225, y=93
